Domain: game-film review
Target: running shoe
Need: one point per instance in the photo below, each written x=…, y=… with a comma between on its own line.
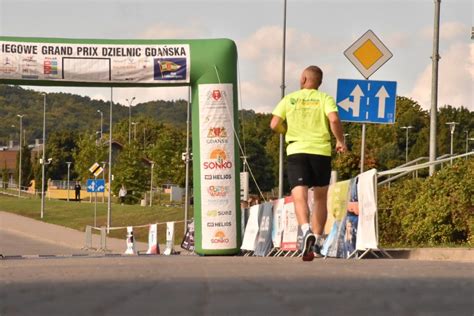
x=306, y=246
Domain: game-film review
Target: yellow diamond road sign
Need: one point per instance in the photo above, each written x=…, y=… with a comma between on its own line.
x=368, y=54
x=96, y=169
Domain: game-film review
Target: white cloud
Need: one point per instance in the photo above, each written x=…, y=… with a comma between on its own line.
x=455, y=79
x=448, y=31
x=397, y=40
x=261, y=73
x=166, y=31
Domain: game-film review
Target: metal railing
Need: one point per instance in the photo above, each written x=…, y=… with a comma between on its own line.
x=406, y=169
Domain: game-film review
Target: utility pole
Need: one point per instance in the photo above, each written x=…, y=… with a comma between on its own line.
x=101, y=120
x=68, y=169
x=282, y=137
x=129, y=118
x=406, y=128
x=109, y=202
x=452, y=127
x=21, y=149
x=434, y=87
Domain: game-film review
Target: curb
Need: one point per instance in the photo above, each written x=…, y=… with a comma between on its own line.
x=444, y=254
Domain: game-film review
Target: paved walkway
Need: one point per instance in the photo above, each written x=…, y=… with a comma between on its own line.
x=25, y=227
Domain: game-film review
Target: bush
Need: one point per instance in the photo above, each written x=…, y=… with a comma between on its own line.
x=434, y=211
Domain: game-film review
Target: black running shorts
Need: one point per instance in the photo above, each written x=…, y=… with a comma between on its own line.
x=309, y=170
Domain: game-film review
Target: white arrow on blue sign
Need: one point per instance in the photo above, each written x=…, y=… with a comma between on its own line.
x=366, y=101
x=95, y=185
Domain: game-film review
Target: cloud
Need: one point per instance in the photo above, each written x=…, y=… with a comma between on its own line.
x=261, y=52
x=448, y=31
x=166, y=31
x=397, y=40
x=455, y=79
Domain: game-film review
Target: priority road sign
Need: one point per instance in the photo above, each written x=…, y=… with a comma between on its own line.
x=366, y=101
x=95, y=185
x=368, y=54
x=96, y=169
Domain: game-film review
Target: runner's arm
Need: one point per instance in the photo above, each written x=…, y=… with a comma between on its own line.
x=336, y=129
x=277, y=125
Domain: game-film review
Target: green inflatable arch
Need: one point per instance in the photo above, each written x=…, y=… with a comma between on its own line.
x=208, y=66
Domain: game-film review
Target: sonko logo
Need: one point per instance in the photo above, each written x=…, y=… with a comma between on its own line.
x=220, y=161
x=220, y=238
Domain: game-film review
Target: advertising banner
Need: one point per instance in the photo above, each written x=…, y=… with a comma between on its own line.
x=366, y=234
x=97, y=63
x=277, y=229
x=218, y=191
x=290, y=226
x=264, y=239
x=251, y=230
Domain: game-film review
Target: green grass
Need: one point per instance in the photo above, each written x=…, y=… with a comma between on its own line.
x=77, y=215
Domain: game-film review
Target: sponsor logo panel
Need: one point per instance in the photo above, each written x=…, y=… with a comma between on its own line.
x=170, y=68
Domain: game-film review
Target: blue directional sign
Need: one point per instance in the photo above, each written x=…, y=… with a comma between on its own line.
x=95, y=185
x=366, y=101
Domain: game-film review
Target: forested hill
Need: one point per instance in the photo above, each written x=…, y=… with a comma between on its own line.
x=73, y=112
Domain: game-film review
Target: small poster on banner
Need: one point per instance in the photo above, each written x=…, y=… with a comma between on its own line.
x=366, y=234
x=264, y=238
x=290, y=227
x=188, y=239
x=153, y=247
x=169, y=239
x=251, y=230
x=277, y=222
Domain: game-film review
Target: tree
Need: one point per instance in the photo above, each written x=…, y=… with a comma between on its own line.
x=166, y=153
x=260, y=165
x=131, y=171
x=26, y=166
x=60, y=148
x=87, y=152
x=5, y=175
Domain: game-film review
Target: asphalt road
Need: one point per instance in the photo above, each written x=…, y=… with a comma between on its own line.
x=192, y=285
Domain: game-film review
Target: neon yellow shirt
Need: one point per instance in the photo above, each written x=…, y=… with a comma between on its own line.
x=306, y=113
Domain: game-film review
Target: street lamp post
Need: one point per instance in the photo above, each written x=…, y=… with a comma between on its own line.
x=130, y=118
x=109, y=197
x=68, y=169
x=406, y=128
x=452, y=128
x=345, y=135
x=44, y=150
x=101, y=124
x=151, y=184
x=467, y=141
x=135, y=131
x=21, y=147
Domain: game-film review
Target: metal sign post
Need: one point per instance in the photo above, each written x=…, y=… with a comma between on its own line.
x=95, y=185
x=365, y=100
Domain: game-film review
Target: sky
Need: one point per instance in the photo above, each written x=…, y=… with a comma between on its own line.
x=318, y=33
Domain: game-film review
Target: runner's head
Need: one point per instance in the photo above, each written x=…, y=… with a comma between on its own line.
x=311, y=78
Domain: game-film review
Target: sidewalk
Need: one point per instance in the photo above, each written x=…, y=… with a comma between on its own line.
x=68, y=237
x=58, y=235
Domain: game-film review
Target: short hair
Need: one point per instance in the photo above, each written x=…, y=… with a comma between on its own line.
x=316, y=74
